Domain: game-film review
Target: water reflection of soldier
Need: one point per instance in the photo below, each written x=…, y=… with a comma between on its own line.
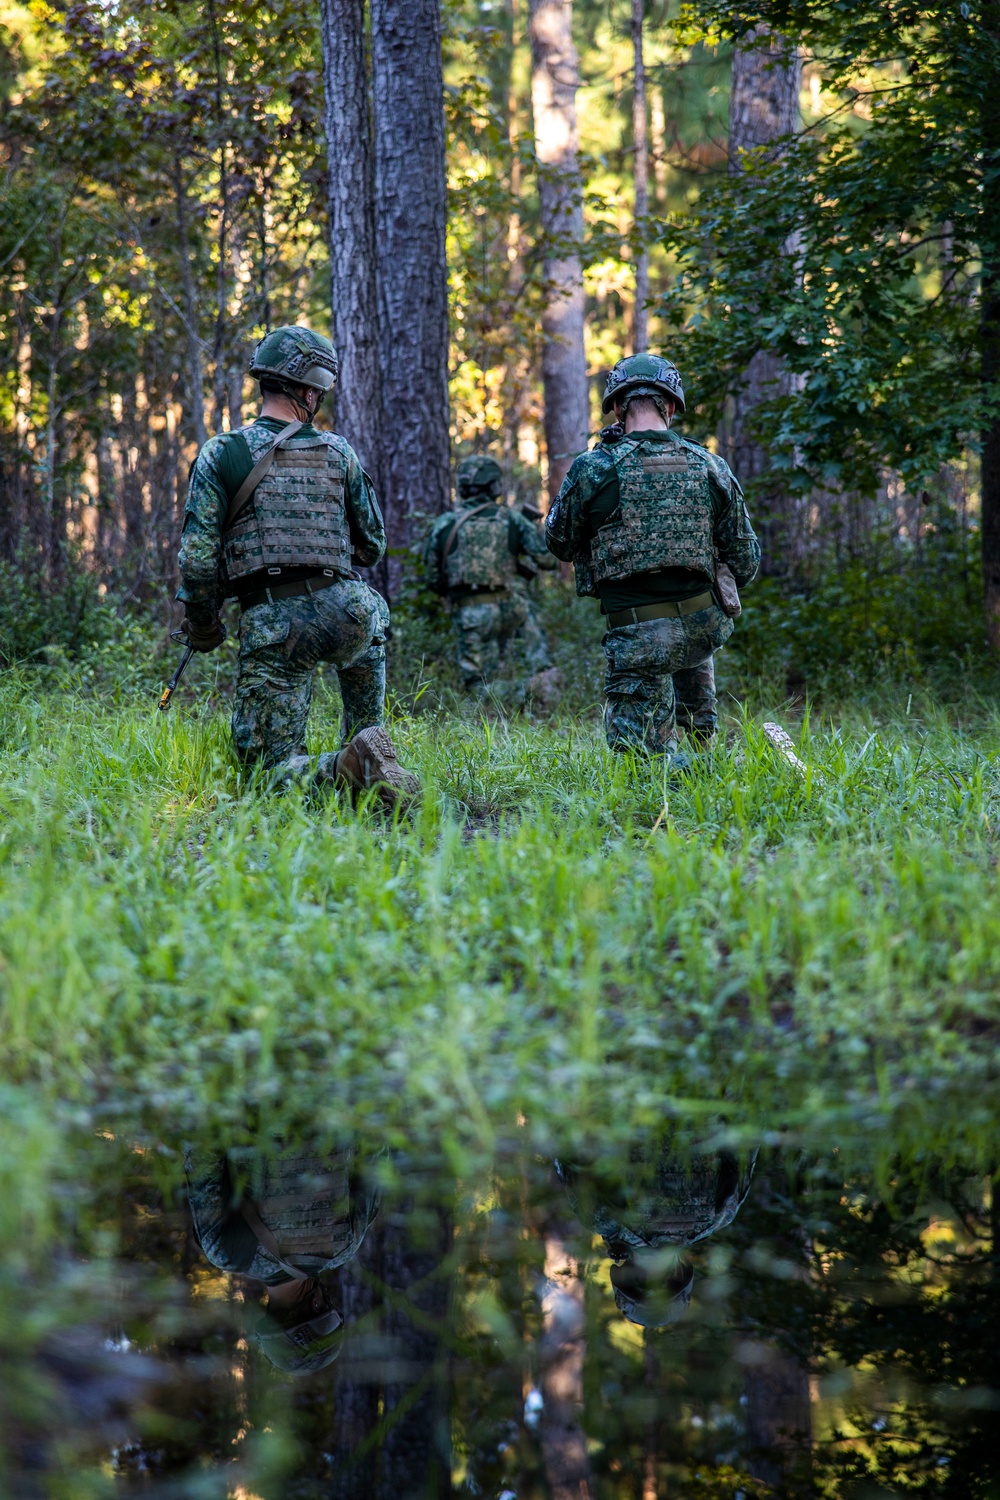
x=654, y=1206
x=284, y=1221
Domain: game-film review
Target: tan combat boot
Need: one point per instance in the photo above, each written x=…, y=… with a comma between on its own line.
x=368, y=763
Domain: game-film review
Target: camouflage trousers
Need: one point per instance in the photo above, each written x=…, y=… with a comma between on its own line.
x=534, y=641
x=484, y=631
x=661, y=676
x=282, y=644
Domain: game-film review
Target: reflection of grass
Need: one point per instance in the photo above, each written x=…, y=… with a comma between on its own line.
x=821, y=953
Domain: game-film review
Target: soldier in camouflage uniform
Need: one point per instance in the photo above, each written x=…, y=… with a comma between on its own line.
x=651, y=1207
x=648, y=518
x=284, y=1221
x=473, y=556
x=278, y=513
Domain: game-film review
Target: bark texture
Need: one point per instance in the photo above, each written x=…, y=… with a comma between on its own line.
x=410, y=211
x=763, y=106
x=347, y=117
x=990, y=323
x=555, y=78
x=640, y=143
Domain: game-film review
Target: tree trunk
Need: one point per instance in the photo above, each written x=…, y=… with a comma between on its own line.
x=410, y=215
x=555, y=78
x=990, y=325
x=763, y=105
x=563, y=1440
x=640, y=144
x=351, y=200
x=195, y=373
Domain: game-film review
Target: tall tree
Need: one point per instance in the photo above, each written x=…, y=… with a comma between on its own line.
x=555, y=79
x=640, y=147
x=354, y=297
x=989, y=242
x=763, y=107
x=411, y=266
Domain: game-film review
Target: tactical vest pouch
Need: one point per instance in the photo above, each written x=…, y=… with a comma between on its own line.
x=297, y=518
x=665, y=516
x=480, y=557
x=727, y=592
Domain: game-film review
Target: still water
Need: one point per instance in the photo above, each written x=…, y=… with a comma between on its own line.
x=679, y=1315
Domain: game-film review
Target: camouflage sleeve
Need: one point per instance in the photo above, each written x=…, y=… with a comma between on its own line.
x=531, y=541
x=364, y=516
x=201, y=540
x=565, y=524
x=735, y=541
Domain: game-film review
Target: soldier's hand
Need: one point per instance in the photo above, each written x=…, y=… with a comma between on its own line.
x=204, y=635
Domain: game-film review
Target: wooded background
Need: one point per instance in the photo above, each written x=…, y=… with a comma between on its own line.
x=486, y=204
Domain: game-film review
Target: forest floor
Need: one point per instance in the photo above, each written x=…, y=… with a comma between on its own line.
x=556, y=936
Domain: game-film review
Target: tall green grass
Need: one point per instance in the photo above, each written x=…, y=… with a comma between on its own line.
x=557, y=935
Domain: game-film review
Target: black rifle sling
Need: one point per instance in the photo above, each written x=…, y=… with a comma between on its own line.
x=244, y=494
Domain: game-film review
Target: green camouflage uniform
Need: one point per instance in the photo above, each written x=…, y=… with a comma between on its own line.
x=655, y=664
x=648, y=1199
x=343, y=622
x=318, y=1209
x=486, y=619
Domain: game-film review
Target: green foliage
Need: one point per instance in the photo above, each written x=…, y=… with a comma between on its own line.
x=876, y=618
x=849, y=253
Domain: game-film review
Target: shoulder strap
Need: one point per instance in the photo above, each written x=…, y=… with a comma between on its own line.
x=242, y=497
x=465, y=516
x=264, y=1235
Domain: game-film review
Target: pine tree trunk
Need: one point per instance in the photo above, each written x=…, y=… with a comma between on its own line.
x=763, y=105
x=410, y=214
x=354, y=296
x=555, y=79
x=560, y=1359
x=990, y=333
x=640, y=145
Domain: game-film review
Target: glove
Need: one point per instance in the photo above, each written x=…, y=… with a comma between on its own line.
x=204, y=635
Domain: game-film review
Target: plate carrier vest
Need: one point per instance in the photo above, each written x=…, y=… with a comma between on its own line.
x=481, y=557
x=665, y=518
x=296, y=518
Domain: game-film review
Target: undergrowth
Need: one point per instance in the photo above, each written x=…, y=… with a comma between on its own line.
x=558, y=941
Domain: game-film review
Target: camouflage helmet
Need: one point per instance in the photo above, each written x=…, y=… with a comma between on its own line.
x=303, y=1347
x=479, y=475
x=643, y=375
x=296, y=355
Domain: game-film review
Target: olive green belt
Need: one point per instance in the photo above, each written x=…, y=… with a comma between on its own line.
x=618, y=617
x=482, y=596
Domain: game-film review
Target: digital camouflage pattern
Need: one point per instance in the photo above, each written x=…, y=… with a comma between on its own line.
x=658, y=1197
x=281, y=645
x=643, y=663
x=485, y=628
x=665, y=517
x=296, y=518
x=317, y=1207
x=478, y=553
x=644, y=660
x=656, y=1200
x=567, y=526
x=534, y=641
x=642, y=374
x=218, y=471
x=297, y=355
